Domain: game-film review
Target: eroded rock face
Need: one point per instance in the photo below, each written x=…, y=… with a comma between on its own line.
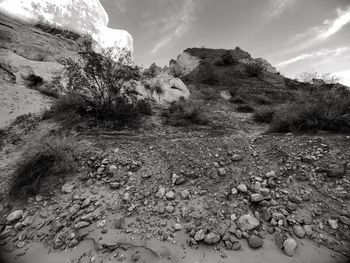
x=83, y=17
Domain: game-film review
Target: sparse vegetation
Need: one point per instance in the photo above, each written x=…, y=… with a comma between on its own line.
x=245, y=108
x=33, y=81
x=100, y=87
x=207, y=74
x=319, y=109
x=185, y=112
x=264, y=114
x=55, y=30
x=254, y=69
x=261, y=99
x=314, y=77
x=227, y=59
x=51, y=159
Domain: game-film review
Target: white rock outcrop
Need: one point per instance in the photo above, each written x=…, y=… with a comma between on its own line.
x=163, y=89
x=80, y=16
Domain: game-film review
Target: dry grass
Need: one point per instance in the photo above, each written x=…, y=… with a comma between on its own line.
x=50, y=159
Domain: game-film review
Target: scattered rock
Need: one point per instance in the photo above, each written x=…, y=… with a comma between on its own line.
x=255, y=242
x=211, y=238
x=200, y=234
x=161, y=192
x=242, y=188
x=248, y=222
x=256, y=198
x=185, y=194
x=170, y=195
x=299, y=231
x=290, y=246
x=333, y=224
x=236, y=158
x=14, y=216
x=67, y=188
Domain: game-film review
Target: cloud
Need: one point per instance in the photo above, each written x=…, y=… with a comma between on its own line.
x=277, y=7
x=319, y=54
x=121, y=5
x=345, y=76
x=322, y=33
x=171, y=20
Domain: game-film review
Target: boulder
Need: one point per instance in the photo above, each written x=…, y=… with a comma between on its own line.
x=255, y=242
x=14, y=216
x=211, y=238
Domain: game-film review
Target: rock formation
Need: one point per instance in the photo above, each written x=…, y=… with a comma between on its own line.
x=83, y=17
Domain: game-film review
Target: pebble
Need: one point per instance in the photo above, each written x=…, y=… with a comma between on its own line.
x=67, y=188
x=242, y=188
x=177, y=227
x=236, y=158
x=333, y=224
x=255, y=198
x=170, y=195
x=299, y=231
x=211, y=238
x=255, y=242
x=161, y=192
x=185, y=194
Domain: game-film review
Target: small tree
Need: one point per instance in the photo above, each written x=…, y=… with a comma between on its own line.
x=106, y=86
x=313, y=77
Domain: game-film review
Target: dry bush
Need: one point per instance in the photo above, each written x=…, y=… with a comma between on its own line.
x=101, y=87
x=185, y=112
x=245, y=108
x=315, y=110
x=254, y=69
x=50, y=159
x=55, y=30
x=264, y=114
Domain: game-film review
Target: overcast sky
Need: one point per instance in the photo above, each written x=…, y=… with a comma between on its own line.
x=294, y=35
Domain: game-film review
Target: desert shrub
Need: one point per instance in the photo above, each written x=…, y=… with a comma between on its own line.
x=207, y=74
x=226, y=59
x=101, y=86
x=55, y=30
x=254, y=69
x=245, y=108
x=52, y=158
x=33, y=81
x=264, y=114
x=185, y=112
x=262, y=100
x=327, y=110
x=238, y=100
x=314, y=77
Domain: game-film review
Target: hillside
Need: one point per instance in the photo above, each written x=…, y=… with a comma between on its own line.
x=169, y=190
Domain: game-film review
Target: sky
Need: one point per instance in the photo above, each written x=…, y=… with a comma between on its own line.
x=295, y=36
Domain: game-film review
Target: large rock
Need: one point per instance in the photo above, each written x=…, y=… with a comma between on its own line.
x=248, y=222
x=83, y=17
x=14, y=216
x=290, y=246
x=163, y=89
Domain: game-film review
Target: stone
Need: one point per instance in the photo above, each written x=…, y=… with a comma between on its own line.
x=308, y=230
x=299, y=231
x=67, y=188
x=211, y=238
x=279, y=240
x=248, y=222
x=255, y=242
x=236, y=158
x=14, y=216
x=86, y=203
x=161, y=192
x=333, y=224
x=222, y=171
x=266, y=215
x=234, y=191
x=29, y=220
x=199, y=236
x=119, y=222
x=185, y=194
x=177, y=227
x=170, y=195
x=114, y=185
x=81, y=224
x=242, y=188
x=161, y=207
x=169, y=208
x=271, y=174
x=290, y=246
x=256, y=198
x=82, y=17
x=236, y=246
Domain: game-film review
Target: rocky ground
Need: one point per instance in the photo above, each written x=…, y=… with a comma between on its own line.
x=218, y=193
